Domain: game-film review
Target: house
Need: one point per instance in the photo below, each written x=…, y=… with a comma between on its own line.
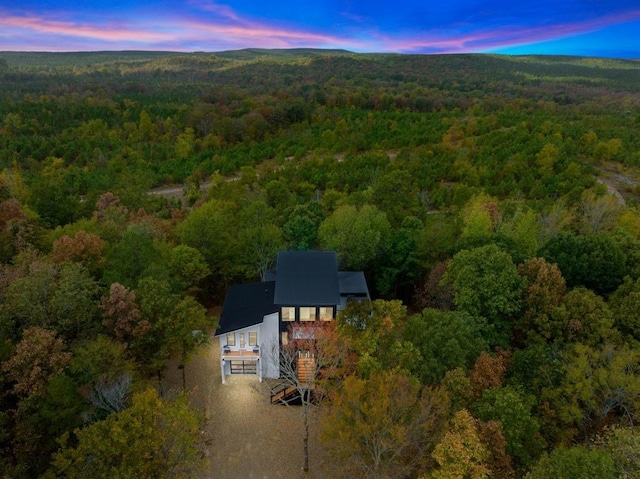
x=306, y=286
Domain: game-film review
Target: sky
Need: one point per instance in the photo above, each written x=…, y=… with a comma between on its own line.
x=602, y=28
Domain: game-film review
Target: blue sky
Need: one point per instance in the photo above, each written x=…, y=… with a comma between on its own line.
x=571, y=27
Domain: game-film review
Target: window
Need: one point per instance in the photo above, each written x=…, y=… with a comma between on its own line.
x=231, y=339
x=284, y=338
x=307, y=314
x=288, y=313
x=326, y=313
x=241, y=340
x=253, y=338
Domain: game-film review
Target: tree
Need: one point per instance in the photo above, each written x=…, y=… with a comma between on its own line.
x=544, y=291
x=445, y=340
x=594, y=261
x=152, y=438
x=435, y=293
x=577, y=462
x=212, y=230
x=129, y=259
x=121, y=314
x=486, y=283
x=308, y=362
x=488, y=371
x=599, y=212
x=103, y=374
x=521, y=429
x=625, y=306
x=499, y=462
x=480, y=218
x=598, y=384
x=38, y=357
x=399, y=266
x=585, y=318
x=461, y=454
x=623, y=443
x=374, y=333
x=523, y=229
x=84, y=248
x=61, y=297
x=188, y=266
x=395, y=194
x=301, y=228
x=173, y=321
x=384, y=426
x=358, y=236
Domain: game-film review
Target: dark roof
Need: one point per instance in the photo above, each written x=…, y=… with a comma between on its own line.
x=353, y=283
x=246, y=305
x=307, y=278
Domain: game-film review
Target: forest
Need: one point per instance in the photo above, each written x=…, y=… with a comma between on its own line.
x=492, y=202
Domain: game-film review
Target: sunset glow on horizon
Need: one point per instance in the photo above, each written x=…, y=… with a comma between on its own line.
x=572, y=27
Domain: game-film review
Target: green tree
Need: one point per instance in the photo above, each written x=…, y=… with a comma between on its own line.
x=152, y=438
x=585, y=318
x=521, y=428
x=399, y=266
x=101, y=370
x=446, y=340
x=358, y=236
x=594, y=261
x=373, y=330
x=625, y=306
x=60, y=297
x=188, y=266
x=598, y=384
x=301, y=228
x=129, y=259
x=577, y=462
x=544, y=291
x=486, y=283
x=173, y=321
x=212, y=230
x=395, y=194
x=480, y=218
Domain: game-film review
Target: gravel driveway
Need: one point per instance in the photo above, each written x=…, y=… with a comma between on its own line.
x=247, y=436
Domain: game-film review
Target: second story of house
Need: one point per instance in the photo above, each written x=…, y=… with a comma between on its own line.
x=309, y=287
x=306, y=286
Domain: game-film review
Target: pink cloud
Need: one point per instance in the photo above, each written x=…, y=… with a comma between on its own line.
x=107, y=32
x=503, y=37
x=177, y=33
x=223, y=11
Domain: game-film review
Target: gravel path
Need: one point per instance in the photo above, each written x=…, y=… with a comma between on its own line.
x=247, y=437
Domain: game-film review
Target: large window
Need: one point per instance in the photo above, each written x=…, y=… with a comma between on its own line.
x=288, y=313
x=231, y=339
x=307, y=314
x=326, y=313
x=253, y=338
x=241, y=340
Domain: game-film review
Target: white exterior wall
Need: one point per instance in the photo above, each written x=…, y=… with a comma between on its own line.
x=224, y=366
x=269, y=339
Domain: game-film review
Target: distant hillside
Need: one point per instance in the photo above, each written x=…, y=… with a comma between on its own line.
x=321, y=65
